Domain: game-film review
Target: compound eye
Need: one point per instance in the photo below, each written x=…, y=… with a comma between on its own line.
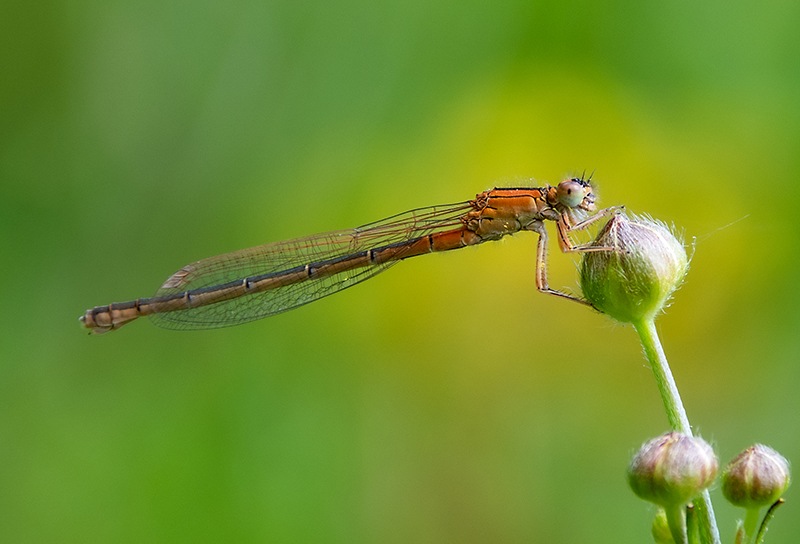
x=571, y=193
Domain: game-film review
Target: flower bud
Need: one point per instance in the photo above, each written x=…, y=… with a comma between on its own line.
x=634, y=278
x=756, y=477
x=660, y=530
x=672, y=469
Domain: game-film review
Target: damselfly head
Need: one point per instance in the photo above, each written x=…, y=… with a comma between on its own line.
x=576, y=193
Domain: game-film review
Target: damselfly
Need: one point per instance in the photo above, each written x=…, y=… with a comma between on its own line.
x=261, y=281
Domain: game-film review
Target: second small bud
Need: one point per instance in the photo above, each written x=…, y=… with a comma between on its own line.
x=756, y=477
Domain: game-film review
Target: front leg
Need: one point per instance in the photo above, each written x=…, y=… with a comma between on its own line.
x=541, y=264
x=565, y=226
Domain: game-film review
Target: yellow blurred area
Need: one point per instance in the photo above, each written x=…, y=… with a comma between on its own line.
x=445, y=400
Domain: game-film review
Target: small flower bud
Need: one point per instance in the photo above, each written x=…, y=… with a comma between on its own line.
x=672, y=469
x=644, y=265
x=756, y=477
x=660, y=530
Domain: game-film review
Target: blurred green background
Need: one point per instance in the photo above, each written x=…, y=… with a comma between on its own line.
x=446, y=400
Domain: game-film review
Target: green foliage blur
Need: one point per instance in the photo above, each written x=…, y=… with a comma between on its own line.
x=446, y=400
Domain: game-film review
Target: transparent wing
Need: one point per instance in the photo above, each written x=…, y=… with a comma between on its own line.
x=283, y=256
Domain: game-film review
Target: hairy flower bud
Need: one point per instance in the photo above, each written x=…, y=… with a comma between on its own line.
x=672, y=469
x=644, y=265
x=756, y=477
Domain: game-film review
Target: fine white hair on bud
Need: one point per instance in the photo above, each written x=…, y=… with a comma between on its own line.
x=756, y=477
x=634, y=278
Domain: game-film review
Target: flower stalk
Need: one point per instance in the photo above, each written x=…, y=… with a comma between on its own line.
x=676, y=415
x=632, y=282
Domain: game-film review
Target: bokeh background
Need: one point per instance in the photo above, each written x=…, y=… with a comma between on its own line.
x=446, y=400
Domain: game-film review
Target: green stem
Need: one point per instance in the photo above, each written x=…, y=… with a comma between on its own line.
x=691, y=525
x=676, y=414
x=751, y=520
x=762, y=531
x=676, y=520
